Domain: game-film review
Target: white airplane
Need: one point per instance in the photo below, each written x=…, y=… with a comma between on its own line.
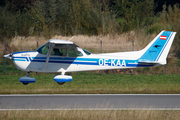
x=60, y=56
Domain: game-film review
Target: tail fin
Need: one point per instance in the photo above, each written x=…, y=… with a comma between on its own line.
x=157, y=50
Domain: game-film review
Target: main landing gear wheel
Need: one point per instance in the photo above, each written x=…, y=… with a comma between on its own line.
x=24, y=83
x=60, y=83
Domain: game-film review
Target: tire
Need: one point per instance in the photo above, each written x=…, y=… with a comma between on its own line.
x=60, y=83
x=24, y=83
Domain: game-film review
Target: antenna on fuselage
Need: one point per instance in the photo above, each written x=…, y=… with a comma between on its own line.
x=71, y=38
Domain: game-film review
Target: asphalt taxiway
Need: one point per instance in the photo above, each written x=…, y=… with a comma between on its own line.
x=91, y=102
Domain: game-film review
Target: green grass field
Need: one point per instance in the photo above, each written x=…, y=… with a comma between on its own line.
x=92, y=83
x=89, y=83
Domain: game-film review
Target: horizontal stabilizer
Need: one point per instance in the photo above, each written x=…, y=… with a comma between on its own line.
x=153, y=62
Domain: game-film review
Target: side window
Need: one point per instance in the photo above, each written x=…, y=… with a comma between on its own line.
x=74, y=53
x=58, y=52
x=63, y=52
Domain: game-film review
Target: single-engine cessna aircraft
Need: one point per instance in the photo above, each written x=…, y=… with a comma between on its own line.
x=62, y=56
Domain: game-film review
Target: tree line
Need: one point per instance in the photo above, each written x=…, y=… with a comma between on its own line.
x=89, y=17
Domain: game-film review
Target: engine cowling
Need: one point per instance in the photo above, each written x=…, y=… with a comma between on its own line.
x=62, y=78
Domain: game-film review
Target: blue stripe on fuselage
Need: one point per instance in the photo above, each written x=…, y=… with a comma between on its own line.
x=21, y=59
x=86, y=61
x=93, y=61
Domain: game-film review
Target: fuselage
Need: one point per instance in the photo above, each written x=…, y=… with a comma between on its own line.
x=35, y=61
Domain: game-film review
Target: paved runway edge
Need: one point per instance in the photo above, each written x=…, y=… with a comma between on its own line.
x=90, y=102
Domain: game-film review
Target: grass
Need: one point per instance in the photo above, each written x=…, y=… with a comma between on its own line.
x=90, y=115
x=93, y=83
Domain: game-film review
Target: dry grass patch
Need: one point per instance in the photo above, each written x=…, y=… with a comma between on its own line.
x=91, y=115
x=116, y=43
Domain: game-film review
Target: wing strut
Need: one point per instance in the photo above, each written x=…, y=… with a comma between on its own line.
x=48, y=55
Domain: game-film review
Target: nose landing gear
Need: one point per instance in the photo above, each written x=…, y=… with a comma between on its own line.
x=25, y=79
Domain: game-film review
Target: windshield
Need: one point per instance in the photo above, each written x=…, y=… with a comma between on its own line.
x=87, y=52
x=43, y=49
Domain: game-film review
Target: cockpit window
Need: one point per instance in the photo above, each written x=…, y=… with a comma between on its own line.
x=61, y=51
x=87, y=52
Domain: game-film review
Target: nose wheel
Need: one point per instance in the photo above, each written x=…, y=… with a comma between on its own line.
x=25, y=80
x=24, y=83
